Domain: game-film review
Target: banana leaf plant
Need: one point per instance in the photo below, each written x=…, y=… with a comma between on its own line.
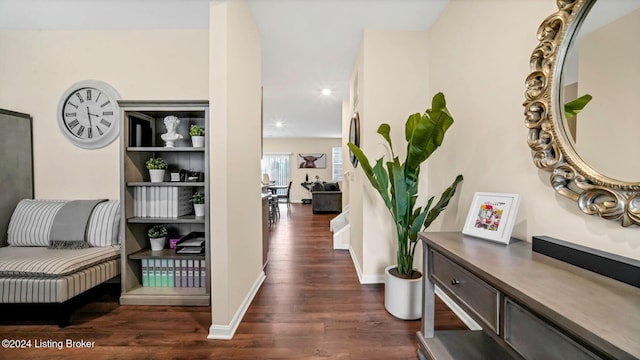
x=397, y=183
x=572, y=108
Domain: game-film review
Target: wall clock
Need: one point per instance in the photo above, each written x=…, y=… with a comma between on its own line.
x=354, y=136
x=88, y=114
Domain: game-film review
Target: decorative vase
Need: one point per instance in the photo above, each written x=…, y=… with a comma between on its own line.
x=157, y=244
x=197, y=141
x=199, y=209
x=156, y=175
x=402, y=297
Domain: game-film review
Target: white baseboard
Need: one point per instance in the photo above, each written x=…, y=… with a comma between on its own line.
x=364, y=279
x=466, y=319
x=226, y=332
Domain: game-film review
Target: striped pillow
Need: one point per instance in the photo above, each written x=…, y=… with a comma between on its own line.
x=104, y=224
x=31, y=222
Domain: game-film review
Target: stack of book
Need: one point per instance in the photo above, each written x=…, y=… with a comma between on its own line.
x=181, y=273
x=162, y=201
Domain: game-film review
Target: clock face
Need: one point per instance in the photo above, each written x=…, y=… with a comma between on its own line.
x=88, y=114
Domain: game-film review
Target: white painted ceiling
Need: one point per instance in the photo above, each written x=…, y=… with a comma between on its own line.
x=307, y=45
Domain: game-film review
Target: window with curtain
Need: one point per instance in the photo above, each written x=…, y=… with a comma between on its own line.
x=278, y=167
x=336, y=162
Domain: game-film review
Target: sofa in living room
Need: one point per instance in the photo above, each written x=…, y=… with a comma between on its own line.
x=59, y=249
x=326, y=197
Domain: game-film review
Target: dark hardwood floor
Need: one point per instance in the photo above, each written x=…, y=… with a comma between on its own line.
x=311, y=306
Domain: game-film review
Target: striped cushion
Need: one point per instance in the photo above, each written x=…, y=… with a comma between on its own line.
x=31, y=222
x=41, y=261
x=58, y=289
x=104, y=224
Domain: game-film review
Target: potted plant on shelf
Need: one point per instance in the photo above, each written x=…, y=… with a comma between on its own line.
x=157, y=236
x=397, y=184
x=156, y=167
x=197, y=135
x=198, y=203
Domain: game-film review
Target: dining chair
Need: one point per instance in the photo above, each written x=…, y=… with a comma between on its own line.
x=286, y=195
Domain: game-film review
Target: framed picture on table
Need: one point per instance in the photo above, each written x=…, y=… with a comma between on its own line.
x=492, y=216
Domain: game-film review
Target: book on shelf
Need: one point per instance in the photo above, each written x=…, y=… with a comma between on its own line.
x=179, y=273
x=162, y=201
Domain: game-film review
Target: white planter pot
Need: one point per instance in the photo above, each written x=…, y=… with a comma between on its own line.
x=156, y=175
x=157, y=244
x=402, y=297
x=199, y=209
x=197, y=141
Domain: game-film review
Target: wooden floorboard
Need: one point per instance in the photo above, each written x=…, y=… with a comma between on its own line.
x=311, y=306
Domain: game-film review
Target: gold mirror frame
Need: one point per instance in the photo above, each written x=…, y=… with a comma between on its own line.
x=594, y=192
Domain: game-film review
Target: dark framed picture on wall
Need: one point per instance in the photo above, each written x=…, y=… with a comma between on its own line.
x=354, y=136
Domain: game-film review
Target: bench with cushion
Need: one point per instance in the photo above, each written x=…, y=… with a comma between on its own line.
x=59, y=249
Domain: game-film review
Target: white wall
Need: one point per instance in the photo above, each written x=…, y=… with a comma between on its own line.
x=296, y=146
x=236, y=212
x=608, y=70
x=481, y=71
x=391, y=67
x=36, y=67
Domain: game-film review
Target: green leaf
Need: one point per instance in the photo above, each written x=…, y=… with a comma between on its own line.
x=443, y=202
x=385, y=131
x=572, y=108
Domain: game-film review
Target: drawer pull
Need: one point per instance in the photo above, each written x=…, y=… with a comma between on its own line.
x=455, y=282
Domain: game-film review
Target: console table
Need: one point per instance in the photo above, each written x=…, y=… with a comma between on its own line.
x=530, y=306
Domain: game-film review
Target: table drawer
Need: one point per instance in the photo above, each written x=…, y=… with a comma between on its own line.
x=478, y=297
x=534, y=339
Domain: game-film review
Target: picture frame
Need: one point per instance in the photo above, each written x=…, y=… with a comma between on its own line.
x=312, y=161
x=492, y=216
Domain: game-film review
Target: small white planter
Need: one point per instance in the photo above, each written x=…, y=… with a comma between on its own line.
x=156, y=175
x=199, y=209
x=157, y=244
x=197, y=141
x=402, y=297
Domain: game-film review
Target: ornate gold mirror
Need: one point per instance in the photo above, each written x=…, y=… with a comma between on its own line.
x=589, y=47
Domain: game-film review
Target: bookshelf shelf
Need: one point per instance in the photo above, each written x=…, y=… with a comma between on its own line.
x=187, y=219
x=166, y=183
x=163, y=254
x=142, y=126
x=163, y=149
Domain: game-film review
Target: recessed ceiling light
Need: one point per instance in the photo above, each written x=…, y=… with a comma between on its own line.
x=279, y=124
x=326, y=92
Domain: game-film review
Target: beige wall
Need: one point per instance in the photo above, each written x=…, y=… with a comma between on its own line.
x=297, y=146
x=608, y=70
x=236, y=217
x=482, y=72
x=36, y=67
x=390, y=70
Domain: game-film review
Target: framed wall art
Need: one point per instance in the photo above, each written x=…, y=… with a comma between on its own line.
x=312, y=161
x=492, y=216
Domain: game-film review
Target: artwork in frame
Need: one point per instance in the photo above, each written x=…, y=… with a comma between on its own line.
x=492, y=216
x=312, y=161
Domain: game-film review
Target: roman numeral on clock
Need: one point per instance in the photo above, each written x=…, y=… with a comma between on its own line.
x=73, y=124
x=72, y=104
x=105, y=113
x=99, y=130
x=88, y=94
x=89, y=133
x=106, y=103
x=79, y=98
x=80, y=130
x=70, y=114
x=105, y=123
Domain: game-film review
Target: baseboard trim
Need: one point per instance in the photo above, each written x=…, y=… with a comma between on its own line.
x=364, y=279
x=466, y=319
x=226, y=332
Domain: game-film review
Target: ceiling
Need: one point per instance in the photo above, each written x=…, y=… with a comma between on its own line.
x=307, y=45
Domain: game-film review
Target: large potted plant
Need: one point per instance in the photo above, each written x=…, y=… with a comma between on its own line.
x=397, y=184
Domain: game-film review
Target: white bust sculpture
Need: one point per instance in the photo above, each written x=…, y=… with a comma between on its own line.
x=171, y=123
